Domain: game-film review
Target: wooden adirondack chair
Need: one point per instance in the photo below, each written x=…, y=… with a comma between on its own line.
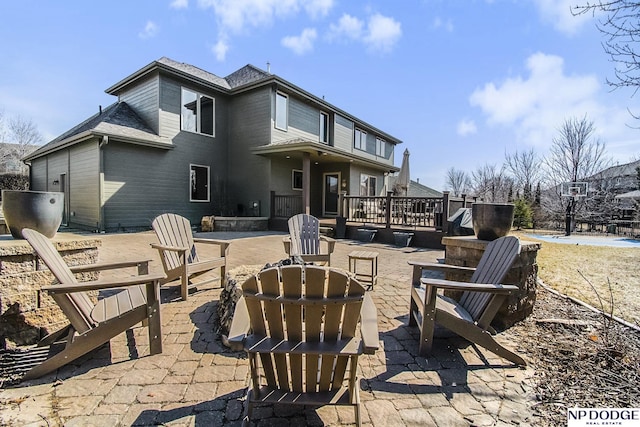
x=178, y=253
x=91, y=325
x=298, y=326
x=470, y=317
x=304, y=240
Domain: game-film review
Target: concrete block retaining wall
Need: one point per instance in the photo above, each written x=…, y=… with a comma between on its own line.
x=27, y=312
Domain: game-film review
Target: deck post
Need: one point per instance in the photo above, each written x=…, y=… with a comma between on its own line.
x=387, y=212
x=306, y=183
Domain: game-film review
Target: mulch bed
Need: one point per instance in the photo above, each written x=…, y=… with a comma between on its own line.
x=581, y=358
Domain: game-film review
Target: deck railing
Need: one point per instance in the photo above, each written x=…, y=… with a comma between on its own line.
x=404, y=211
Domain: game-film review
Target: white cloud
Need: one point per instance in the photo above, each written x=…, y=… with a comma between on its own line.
x=239, y=16
x=318, y=8
x=179, y=4
x=150, y=30
x=439, y=23
x=382, y=33
x=220, y=49
x=536, y=105
x=558, y=13
x=301, y=44
x=347, y=27
x=466, y=127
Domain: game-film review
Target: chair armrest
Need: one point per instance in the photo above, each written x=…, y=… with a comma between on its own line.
x=240, y=326
x=211, y=241
x=330, y=242
x=369, y=326
x=97, y=285
x=466, y=286
x=286, y=241
x=168, y=248
x=98, y=266
x=419, y=266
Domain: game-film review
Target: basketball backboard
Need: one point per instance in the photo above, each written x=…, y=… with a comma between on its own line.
x=574, y=189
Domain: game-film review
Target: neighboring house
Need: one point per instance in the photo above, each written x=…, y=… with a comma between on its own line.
x=10, y=154
x=180, y=139
x=416, y=189
x=619, y=182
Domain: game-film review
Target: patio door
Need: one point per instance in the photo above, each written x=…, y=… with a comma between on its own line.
x=331, y=192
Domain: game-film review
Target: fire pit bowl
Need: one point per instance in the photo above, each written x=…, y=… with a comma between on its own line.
x=38, y=210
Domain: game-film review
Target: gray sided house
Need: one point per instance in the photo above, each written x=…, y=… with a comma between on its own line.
x=180, y=139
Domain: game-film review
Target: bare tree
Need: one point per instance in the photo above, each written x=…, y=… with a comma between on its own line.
x=458, y=182
x=491, y=184
x=621, y=28
x=576, y=154
x=19, y=137
x=526, y=169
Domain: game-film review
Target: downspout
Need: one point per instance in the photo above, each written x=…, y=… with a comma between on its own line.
x=101, y=220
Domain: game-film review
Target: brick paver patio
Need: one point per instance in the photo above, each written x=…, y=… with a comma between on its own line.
x=197, y=381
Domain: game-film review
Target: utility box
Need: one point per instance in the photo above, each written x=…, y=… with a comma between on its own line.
x=254, y=208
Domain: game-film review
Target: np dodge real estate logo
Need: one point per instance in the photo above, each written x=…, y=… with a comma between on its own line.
x=578, y=417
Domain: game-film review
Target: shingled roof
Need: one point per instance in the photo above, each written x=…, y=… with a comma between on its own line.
x=117, y=120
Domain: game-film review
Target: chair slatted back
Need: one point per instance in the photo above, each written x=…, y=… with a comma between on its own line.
x=496, y=261
x=175, y=230
x=307, y=304
x=305, y=234
x=76, y=306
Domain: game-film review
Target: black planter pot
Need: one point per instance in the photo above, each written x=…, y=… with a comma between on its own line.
x=492, y=220
x=38, y=210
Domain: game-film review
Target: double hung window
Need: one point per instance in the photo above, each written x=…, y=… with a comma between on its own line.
x=360, y=139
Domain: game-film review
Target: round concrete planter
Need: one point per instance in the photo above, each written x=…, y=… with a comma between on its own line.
x=492, y=220
x=38, y=210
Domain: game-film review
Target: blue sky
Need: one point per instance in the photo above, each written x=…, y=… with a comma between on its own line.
x=460, y=82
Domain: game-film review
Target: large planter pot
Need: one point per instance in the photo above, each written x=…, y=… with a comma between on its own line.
x=38, y=210
x=366, y=234
x=492, y=220
x=402, y=239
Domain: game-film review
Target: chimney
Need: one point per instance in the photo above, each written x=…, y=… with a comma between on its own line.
x=99, y=109
x=268, y=67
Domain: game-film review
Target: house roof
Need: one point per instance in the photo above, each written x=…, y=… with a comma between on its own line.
x=118, y=121
x=243, y=79
x=416, y=189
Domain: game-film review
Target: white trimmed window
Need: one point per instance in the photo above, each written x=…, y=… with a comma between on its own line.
x=367, y=185
x=282, y=111
x=197, y=113
x=199, y=183
x=324, y=128
x=381, y=146
x=360, y=139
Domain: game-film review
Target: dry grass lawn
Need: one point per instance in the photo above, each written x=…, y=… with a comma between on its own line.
x=594, y=274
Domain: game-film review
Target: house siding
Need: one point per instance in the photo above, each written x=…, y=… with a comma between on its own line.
x=250, y=124
x=303, y=122
x=84, y=184
x=143, y=98
x=38, y=174
x=343, y=133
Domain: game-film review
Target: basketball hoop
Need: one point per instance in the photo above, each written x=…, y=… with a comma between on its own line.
x=573, y=191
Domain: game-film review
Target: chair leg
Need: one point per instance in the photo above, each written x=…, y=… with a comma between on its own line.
x=184, y=287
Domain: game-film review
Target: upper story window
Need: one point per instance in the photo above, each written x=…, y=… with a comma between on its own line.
x=198, y=113
x=360, y=139
x=324, y=128
x=282, y=110
x=381, y=147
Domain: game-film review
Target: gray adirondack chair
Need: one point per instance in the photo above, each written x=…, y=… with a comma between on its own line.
x=471, y=316
x=298, y=327
x=179, y=256
x=304, y=240
x=91, y=325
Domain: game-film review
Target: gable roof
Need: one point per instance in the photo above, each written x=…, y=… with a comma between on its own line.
x=117, y=120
